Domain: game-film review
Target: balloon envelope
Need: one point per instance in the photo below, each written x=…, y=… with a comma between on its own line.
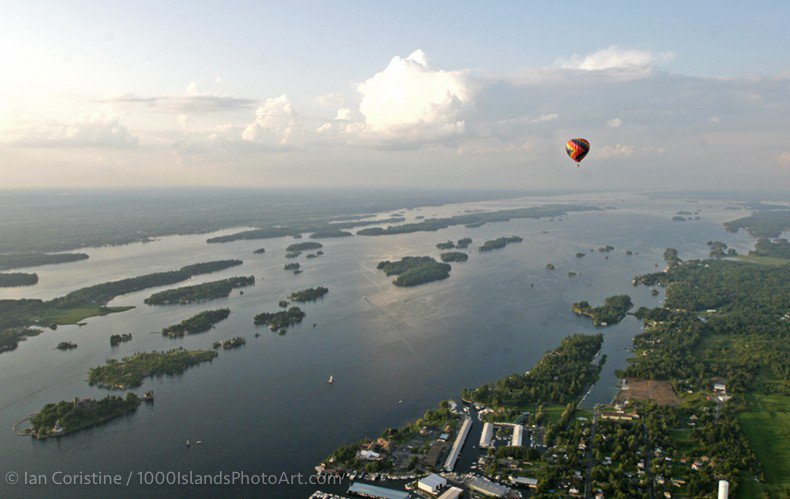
x=577, y=149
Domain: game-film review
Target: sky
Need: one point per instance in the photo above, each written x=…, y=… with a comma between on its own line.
x=671, y=95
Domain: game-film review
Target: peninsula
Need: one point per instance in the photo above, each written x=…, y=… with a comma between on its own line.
x=612, y=311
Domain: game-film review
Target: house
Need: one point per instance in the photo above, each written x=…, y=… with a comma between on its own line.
x=368, y=455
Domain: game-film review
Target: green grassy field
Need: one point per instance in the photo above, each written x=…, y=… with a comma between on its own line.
x=767, y=426
x=75, y=315
x=763, y=260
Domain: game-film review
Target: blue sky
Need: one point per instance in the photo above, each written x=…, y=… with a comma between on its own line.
x=393, y=93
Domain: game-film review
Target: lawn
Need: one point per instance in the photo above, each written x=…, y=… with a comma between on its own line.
x=767, y=426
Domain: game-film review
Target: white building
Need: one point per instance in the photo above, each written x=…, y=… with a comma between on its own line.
x=368, y=455
x=518, y=435
x=485, y=437
x=432, y=483
x=724, y=489
x=452, y=493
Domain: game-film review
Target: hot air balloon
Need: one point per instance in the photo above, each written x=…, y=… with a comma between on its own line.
x=577, y=149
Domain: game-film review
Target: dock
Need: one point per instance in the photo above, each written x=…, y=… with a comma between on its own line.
x=449, y=464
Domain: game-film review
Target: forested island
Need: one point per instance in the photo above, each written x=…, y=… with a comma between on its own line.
x=199, y=292
x=199, y=323
x=66, y=345
x=463, y=243
x=296, y=249
x=130, y=372
x=454, y=256
x=259, y=251
x=230, y=343
x=279, y=321
x=475, y=219
x=446, y=245
x=612, y=311
x=415, y=270
x=500, y=242
x=15, y=279
x=68, y=416
x=293, y=267
x=117, y=339
x=330, y=233
x=10, y=261
x=309, y=294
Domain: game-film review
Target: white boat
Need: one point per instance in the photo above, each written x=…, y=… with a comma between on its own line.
x=331, y=380
x=199, y=442
x=187, y=443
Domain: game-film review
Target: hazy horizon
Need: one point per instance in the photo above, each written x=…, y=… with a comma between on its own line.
x=349, y=94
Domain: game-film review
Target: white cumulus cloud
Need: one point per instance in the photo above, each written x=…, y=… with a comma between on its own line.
x=615, y=57
x=614, y=151
x=86, y=131
x=275, y=121
x=614, y=123
x=411, y=100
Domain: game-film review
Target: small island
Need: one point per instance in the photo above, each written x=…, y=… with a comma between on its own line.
x=130, y=372
x=580, y=254
x=117, y=339
x=454, y=256
x=259, y=251
x=445, y=246
x=309, y=294
x=296, y=249
x=463, y=243
x=293, y=267
x=550, y=266
x=612, y=311
x=66, y=345
x=64, y=417
x=199, y=323
x=277, y=321
x=605, y=249
x=16, y=279
x=235, y=342
x=415, y=270
x=199, y=292
x=500, y=242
